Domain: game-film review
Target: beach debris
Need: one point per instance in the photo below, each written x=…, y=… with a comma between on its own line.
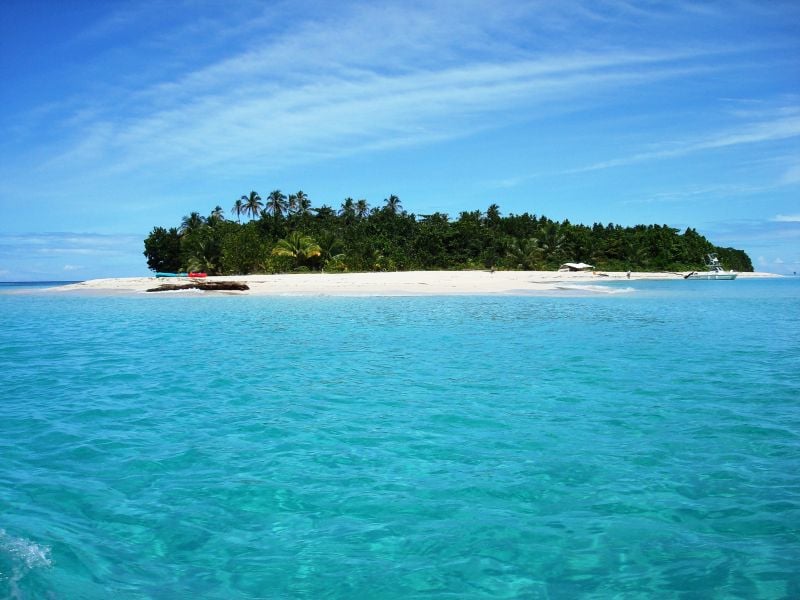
x=205, y=286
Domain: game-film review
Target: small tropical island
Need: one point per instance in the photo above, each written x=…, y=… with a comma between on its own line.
x=286, y=234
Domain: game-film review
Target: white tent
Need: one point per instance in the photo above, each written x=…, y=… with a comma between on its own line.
x=575, y=267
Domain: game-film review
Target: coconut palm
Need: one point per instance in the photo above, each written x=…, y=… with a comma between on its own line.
x=330, y=248
x=551, y=241
x=202, y=257
x=303, y=206
x=238, y=209
x=362, y=208
x=325, y=212
x=298, y=246
x=393, y=204
x=276, y=203
x=524, y=254
x=348, y=210
x=216, y=216
x=493, y=214
x=297, y=200
x=192, y=222
x=252, y=204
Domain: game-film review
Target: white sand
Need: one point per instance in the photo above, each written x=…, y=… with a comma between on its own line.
x=408, y=283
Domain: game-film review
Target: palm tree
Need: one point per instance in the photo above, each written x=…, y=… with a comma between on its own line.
x=551, y=241
x=330, y=248
x=303, y=206
x=276, y=203
x=202, y=257
x=493, y=214
x=298, y=246
x=252, y=204
x=393, y=204
x=348, y=210
x=297, y=200
x=524, y=254
x=216, y=216
x=325, y=212
x=362, y=208
x=238, y=209
x=192, y=222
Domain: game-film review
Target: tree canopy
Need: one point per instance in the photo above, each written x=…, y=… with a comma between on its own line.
x=287, y=233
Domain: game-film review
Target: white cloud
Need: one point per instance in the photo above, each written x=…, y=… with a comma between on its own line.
x=362, y=77
x=257, y=125
x=779, y=128
x=54, y=244
x=791, y=175
x=697, y=192
x=787, y=218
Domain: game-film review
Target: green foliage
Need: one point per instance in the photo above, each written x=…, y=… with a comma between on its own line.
x=299, y=247
x=244, y=251
x=288, y=234
x=163, y=250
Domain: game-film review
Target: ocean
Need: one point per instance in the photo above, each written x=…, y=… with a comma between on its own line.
x=637, y=444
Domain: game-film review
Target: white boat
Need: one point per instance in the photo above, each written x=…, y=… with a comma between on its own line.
x=715, y=270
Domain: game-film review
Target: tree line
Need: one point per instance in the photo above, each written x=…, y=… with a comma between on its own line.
x=285, y=233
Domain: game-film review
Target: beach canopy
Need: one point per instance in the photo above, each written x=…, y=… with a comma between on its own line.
x=575, y=267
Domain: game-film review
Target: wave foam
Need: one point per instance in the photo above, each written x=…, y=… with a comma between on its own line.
x=20, y=555
x=596, y=289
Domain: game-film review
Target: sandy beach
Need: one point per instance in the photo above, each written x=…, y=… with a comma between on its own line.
x=406, y=283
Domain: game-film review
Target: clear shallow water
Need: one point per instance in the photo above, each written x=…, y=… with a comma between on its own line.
x=633, y=445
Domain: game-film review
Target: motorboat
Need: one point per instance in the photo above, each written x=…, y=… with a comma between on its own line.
x=715, y=270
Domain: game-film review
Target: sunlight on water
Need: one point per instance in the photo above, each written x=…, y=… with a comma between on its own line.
x=18, y=556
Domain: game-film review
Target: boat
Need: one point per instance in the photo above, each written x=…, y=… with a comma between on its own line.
x=160, y=274
x=197, y=275
x=715, y=270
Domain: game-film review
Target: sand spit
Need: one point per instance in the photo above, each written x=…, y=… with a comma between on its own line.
x=405, y=283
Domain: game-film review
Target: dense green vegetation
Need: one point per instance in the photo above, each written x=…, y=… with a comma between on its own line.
x=283, y=233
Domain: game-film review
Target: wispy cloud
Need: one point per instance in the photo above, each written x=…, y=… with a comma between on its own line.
x=260, y=126
x=791, y=175
x=698, y=192
x=787, y=219
x=779, y=128
x=66, y=244
x=361, y=78
x=37, y=256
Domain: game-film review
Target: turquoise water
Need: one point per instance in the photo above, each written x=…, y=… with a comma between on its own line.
x=632, y=445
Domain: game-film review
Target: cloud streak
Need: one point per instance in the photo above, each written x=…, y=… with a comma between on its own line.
x=776, y=129
x=362, y=78
x=346, y=113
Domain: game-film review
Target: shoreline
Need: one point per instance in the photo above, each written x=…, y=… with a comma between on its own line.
x=396, y=283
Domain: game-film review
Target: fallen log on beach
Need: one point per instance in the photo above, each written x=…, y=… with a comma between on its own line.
x=210, y=286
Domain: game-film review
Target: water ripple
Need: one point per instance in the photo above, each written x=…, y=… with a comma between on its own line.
x=599, y=446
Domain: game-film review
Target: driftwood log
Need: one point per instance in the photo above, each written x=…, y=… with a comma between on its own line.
x=211, y=286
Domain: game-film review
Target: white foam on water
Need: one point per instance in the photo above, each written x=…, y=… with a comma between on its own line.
x=596, y=289
x=24, y=556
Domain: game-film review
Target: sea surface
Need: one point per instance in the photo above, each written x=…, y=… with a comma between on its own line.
x=643, y=443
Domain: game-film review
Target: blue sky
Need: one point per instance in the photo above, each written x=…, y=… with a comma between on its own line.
x=120, y=116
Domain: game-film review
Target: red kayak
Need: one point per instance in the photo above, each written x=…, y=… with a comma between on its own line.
x=197, y=274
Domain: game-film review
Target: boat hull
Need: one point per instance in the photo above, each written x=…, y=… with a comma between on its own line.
x=712, y=276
